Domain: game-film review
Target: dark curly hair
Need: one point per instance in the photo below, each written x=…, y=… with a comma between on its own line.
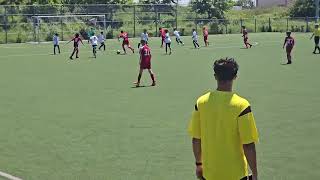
x=225, y=69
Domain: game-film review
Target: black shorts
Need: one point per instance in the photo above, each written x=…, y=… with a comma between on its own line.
x=94, y=46
x=316, y=40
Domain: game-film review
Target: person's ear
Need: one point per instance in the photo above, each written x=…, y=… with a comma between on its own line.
x=235, y=77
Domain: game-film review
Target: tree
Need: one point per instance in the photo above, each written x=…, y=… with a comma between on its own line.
x=212, y=8
x=303, y=8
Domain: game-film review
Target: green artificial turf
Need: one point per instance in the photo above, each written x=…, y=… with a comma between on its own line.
x=82, y=119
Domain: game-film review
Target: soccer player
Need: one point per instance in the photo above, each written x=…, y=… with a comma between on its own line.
x=195, y=39
x=205, y=36
x=90, y=34
x=289, y=44
x=94, y=43
x=316, y=35
x=145, y=63
x=101, y=40
x=125, y=42
x=178, y=37
x=162, y=34
x=56, y=43
x=223, y=129
x=144, y=36
x=245, y=37
x=167, y=40
x=76, y=41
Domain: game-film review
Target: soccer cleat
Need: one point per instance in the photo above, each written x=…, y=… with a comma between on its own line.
x=170, y=53
x=250, y=46
x=70, y=58
x=314, y=52
x=289, y=62
x=77, y=57
x=153, y=84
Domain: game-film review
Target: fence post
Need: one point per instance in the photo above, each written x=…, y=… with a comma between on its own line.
x=61, y=24
x=134, y=20
x=269, y=30
x=255, y=25
x=156, y=21
x=287, y=24
x=307, y=24
x=5, y=24
x=177, y=14
x=196, y=22
x=241, y=24
x=226, y=22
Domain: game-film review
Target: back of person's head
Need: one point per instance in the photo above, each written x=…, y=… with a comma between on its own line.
x=166, y=31
x=121, y=31
x=56, y=34
x=193, y=29
x=174, y=29
x=77, y=35
x=143, y=42
x=225, y=69
x=160, y=28
x=145, y=31
x=288, y=33
x=243, y=27
x=101, y=32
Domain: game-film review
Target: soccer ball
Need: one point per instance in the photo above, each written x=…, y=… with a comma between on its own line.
x=118, y=51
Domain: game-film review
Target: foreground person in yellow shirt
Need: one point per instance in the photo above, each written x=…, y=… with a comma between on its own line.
x=223, y=130
x=316, y=35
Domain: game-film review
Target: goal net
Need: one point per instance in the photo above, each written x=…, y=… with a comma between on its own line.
x=67, y=25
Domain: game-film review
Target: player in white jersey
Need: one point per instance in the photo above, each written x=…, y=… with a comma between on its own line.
x=144, y=36
x=56, y=43
x=94, y=43
x=167, y=40
x=178, y=38
x=195, y=39
x=101, y=40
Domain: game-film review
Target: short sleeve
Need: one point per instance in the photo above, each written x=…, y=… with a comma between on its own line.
x=194, y=124
x=247, y=127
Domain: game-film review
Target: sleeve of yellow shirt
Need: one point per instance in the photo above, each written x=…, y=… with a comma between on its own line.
x=194, y=125
x=247, y=127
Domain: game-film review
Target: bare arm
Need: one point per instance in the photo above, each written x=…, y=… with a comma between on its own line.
x=196, y=145
x=250, y=153
x=312, y=35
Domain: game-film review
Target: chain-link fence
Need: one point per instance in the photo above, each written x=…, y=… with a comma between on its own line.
x=17, y=23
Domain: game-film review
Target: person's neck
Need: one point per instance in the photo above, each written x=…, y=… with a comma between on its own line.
x=225, y=86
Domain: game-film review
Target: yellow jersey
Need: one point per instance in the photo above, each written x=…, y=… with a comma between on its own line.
x=317, y=32
x=224, y=122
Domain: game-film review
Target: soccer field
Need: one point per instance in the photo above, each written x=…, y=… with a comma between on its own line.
x=82, y=119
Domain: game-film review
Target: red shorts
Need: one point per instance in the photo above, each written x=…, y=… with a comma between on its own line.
x=205, y=38
x=163, y=38
x=289, y=49
x=125, y=43
x=145, y=64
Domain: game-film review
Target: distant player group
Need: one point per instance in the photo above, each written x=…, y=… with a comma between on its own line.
x=145, y=51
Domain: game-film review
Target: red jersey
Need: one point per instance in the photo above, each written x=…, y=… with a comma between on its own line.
x=289, y=41
x=145, y=53
x=162, y=33
x=245, y=33
x=124, y=36
x=76, y=41
x=205, y=32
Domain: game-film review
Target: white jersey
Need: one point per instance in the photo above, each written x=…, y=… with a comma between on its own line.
x=55, y=40
x=177, y=34
x=101, y=38
x=144, y=36
x=167, y=38
x=94, y=40
x=194, y=36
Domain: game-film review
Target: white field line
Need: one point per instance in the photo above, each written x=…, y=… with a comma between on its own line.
x=160, y=49
x=8, y=176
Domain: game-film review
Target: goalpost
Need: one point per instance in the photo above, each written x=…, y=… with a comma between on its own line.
x=66, y=25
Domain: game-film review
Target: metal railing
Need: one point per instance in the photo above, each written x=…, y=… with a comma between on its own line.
x=16, y=24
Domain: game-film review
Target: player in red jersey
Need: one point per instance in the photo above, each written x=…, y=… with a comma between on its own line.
x=205, y=36
x=245, y=37
x=145, y=62
x=162, y=34
x=76, y=41
x=125, y=42
x=289, y=43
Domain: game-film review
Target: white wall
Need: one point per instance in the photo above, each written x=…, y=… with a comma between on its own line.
x=268, y=3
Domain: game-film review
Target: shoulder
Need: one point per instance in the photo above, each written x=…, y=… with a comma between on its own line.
x=240, y=102
x=203, y=98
